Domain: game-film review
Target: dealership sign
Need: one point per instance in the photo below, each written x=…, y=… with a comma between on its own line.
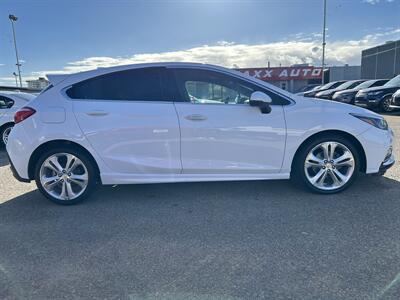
x=289, y=73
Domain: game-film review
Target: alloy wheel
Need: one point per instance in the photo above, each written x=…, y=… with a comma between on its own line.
x=329, y=166
x=64, y=176
x=386, y=105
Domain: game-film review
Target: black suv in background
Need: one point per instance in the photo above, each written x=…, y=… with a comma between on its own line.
x=327, y=86
x=328, y=94
x=349, y=95
x=378, y=97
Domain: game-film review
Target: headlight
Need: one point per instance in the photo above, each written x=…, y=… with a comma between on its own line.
x=376, y=122
x=374, y=93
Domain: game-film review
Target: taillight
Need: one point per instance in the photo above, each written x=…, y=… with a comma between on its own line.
x=23, y=114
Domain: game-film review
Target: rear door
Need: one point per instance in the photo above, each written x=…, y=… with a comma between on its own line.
x=130, y=121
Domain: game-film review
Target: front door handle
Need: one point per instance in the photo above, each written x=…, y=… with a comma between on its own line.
x=196, y=117
x=97, y=113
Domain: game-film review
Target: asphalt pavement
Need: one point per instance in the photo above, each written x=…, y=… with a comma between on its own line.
x=230, y=240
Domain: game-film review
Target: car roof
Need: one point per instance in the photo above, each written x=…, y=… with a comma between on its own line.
x=68, y=79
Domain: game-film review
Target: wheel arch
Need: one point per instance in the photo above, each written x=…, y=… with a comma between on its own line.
x=6, y=124
x=56, y=144
x=350, y=137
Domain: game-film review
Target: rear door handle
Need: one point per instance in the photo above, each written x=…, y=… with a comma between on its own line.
x=97, y=113
x=196, y=117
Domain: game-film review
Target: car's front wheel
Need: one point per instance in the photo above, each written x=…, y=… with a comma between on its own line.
x=65, y=176
x=327, y=164
x=385, y=105
x=4, y=133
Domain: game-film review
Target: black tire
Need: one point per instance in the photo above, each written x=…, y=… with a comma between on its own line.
x=87, y=161
x=384, y=105
x=298, y=172
x=2, y=130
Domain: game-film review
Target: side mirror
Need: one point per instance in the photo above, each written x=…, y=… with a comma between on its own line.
x=262, y=101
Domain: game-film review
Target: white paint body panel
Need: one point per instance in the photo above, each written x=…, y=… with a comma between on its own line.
x=231, y=139
x=132, y=137
x=154, y=142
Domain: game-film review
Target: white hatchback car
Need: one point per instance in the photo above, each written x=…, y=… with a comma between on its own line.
x=182, y=122
x=10, y=102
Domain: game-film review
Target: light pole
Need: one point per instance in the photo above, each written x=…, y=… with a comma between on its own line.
x=323, y=44
x=16, y=80
x=12, y=20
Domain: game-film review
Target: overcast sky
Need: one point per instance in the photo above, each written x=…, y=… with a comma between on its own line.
x=64, y=36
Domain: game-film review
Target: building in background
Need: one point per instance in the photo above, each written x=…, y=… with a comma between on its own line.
x=345, y=72
x=38, y=84
x=382, y=61
x=291, y=78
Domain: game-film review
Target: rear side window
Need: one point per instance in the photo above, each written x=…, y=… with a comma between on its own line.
x=130, y=85
x=6, y=103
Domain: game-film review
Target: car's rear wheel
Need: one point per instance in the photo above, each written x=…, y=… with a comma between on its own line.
x=4, y=134
x=385, y=105
x=327, y=164
x=65, y=176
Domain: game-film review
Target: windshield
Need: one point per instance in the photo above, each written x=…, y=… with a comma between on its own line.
x=348, y=85
x=366, y=84
x=393, y=82
x=327, y=86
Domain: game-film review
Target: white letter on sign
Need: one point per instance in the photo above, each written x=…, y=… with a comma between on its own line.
x=295, y=73
x=283, y=73
x=306, y=71
x=257, y=73
x=268, y=73
x=316, y=72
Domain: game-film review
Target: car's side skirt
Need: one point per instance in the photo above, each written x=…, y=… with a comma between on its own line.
x=107, y=178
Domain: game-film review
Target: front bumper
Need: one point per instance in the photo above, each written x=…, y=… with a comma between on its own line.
x=367, y=102
x=386, y=165
x=395, y=103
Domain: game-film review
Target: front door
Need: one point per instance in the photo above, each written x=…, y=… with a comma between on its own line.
x=220, y=132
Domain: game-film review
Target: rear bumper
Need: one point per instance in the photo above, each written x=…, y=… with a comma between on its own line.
x=14, y=171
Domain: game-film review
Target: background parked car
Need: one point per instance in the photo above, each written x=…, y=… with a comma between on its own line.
x=327, y=86
x=378, y=97
x=328, y=94
x=9, y=104
x=349, y=95
x=395, y=103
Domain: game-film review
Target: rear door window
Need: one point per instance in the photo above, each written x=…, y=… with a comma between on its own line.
x=128, y=85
